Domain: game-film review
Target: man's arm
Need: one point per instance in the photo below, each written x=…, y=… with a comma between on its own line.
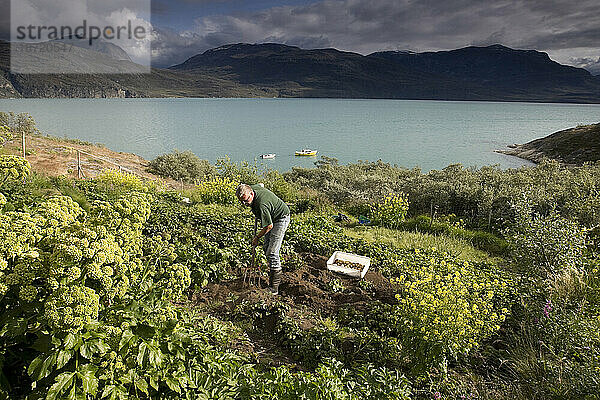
x=260, y=234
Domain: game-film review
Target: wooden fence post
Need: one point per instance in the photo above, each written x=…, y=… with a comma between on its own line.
x=23, y=142
x=78, y=164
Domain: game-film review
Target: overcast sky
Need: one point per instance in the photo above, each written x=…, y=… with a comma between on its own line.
x=569, y=31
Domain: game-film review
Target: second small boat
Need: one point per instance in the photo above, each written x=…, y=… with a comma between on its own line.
x=306, y=152
x=267, y=156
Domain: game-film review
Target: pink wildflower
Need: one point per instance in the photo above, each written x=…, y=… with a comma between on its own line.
x=547, y=308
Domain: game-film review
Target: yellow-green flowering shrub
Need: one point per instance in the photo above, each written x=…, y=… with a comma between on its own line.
x=114, y=180
x=446, y=306
x=63, y=258
x=5, y=134
x=13, y=169
x=71, y=278
x=390, y=211
x=217, y=190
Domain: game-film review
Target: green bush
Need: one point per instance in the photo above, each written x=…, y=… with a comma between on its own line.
x=548, y=244
x=275, y=182
x=447, y=306
x=482, y=197
x=116, y=183
x=243, y=173
x=181, y=166
x=18, y=123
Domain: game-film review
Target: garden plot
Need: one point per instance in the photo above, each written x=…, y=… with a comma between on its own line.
x=311, y=286
x=311, y=292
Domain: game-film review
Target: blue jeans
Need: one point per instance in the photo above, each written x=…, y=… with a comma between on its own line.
x=273, y=240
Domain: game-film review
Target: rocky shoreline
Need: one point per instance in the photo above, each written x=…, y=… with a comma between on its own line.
x=573, y=146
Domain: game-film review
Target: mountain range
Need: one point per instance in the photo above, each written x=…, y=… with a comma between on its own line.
x=491, y=73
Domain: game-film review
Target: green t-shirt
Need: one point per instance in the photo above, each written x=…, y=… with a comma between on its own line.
x=267, y=207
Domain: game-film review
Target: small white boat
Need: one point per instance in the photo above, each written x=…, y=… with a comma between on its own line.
x=306, y=152
x=267, y=156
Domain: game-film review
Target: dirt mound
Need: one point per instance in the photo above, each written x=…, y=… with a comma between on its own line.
x=307, y=290
x=308, y=293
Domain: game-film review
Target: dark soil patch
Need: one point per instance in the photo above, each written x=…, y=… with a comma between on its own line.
x=304, y=290
x=268, y=351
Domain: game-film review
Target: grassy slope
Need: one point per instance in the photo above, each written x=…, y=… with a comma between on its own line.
x=53, y=156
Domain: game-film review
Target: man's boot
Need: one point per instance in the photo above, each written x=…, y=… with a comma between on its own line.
x=274, y=281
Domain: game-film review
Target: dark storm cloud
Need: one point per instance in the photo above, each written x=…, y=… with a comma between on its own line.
x=370, y=25
x=160, y=7
x=170, y=47
x=591, y=64
x=207, y=1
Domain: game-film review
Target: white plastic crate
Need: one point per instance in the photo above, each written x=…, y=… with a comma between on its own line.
x=355, y=258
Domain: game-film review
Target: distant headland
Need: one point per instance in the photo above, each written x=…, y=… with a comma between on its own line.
x=573, y=146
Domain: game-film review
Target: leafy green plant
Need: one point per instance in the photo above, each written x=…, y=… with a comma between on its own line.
x=330, y=381
x=64, y=275
x=335, y=285
x=366, y=285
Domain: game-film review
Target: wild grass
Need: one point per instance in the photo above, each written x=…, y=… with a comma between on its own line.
x=407, y=240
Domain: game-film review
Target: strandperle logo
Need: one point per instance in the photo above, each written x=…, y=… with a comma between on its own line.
x=80, y=37
x=84, y=31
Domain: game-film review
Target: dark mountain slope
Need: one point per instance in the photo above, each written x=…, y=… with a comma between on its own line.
x=494, y=73
x=529, y=72
x=327, y=73
x=157, y=83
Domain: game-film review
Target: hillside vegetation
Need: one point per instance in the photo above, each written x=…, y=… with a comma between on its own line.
x=570, y=146
x=484, y=284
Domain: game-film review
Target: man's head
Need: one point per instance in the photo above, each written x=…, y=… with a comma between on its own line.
x=245, y=194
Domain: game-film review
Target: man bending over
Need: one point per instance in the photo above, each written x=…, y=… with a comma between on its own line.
x=274, y=217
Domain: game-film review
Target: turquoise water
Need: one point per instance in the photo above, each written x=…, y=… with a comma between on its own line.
x=427, y=134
